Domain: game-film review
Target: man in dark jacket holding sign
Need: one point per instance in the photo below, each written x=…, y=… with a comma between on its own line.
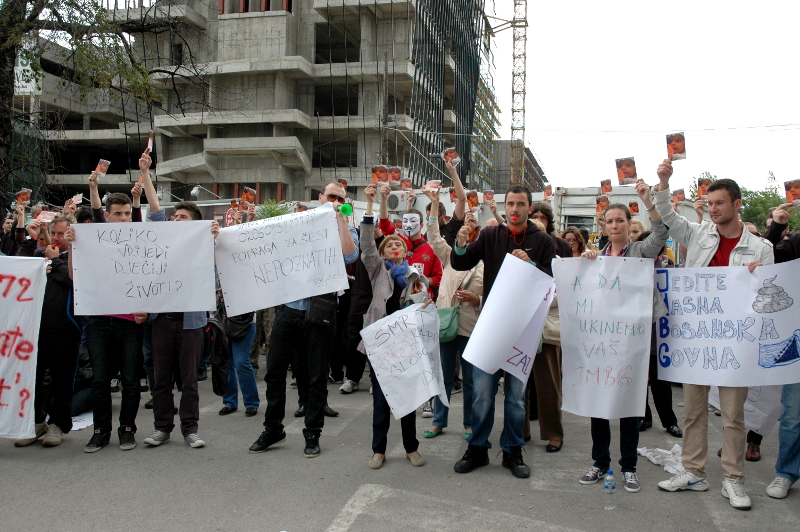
x=525, y=241
x=291, y=332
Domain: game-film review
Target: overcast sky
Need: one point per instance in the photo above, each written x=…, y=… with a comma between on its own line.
x=610, y=79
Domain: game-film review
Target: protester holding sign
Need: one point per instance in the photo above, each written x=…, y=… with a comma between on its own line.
x=787, y=467
x=723, y=241
x=177, y=339
x=465, y=291
x=526, y=242
x=310, y=336
x=394, y=284
x=59, y=337
x=618, y=224
x=114, y=342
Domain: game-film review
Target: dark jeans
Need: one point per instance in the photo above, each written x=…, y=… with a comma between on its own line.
x=58, y=352
x=176, y=350
x=147, y=351
x=628, y=440
x=290, y=333
x=339, y=349
x=115, y=344
x=662, y=390
x=355, y=361
x=382, y=416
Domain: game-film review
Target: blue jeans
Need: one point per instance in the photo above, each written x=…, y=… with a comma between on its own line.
x=484, y=387
x=239, y=366
x=788, y=464
x=115, y=344
x=449, y=353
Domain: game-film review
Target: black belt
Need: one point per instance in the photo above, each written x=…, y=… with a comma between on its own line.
x=172, y=315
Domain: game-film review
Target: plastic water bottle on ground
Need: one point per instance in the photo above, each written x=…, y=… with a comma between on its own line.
x=610, y=486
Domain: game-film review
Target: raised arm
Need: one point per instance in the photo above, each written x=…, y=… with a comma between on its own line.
x=94, y=194
x=440, y=247
x=681, y=229
x=149, y=190
x=461, y=194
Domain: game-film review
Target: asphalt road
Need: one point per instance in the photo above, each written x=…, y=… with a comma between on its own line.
x=223, y=487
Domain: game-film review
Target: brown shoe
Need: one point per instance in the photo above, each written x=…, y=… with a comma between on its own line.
x=377, y=460
x=719, y=453
x=753, y=452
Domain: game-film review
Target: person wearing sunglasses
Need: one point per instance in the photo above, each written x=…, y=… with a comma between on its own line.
x=290, y=333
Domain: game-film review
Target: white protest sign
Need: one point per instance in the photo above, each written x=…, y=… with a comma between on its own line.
x=729, y=327
x=762, y=408
x=121, y=268
x=510, y=325
x=605, y=307
x=22, y=282
x=403, y=351
x=277, y=260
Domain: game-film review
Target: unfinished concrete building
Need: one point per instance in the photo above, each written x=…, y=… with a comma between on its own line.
x=286, y=95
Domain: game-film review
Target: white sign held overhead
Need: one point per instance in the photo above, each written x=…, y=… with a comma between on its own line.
x=274, y=261
x=605, y=307
x=22, y=282
x=121, y=268
x=510, y=325
x=403, y=351
x=729, y=327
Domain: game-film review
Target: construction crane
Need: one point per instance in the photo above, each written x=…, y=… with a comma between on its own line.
x=519, y=24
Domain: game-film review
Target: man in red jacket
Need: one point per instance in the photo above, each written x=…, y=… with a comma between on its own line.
x=420, y=253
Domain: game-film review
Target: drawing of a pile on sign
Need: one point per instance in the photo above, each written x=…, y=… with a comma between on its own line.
x=771, y=298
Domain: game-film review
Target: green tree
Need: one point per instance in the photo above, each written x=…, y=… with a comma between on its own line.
x=271, y=208
x=98, y=52
x=756, y=205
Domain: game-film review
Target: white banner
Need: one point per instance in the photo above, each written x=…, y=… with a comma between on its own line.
x=22, y=281
x=121, y=268
x=510, y=326
x=729, y=327
x=605, y=307
x=403, y=351
x=762, y=408
x=274, y=261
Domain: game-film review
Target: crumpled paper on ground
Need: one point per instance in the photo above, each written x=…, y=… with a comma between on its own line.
x=670, y=460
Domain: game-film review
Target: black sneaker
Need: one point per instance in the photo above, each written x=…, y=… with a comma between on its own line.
x=513, y=461
x=99, y=440
x=266, y=439
x=126, y=439
x=149, y=404
x=474, y=457
x=202, y=374
x=312, y=446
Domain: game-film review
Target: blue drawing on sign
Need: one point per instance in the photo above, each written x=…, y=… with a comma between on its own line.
x=780, y=354
x=771, y=298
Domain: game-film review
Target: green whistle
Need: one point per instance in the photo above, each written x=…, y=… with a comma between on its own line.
x=346, y=209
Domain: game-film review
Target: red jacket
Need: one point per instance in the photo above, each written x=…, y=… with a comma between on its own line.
x=420, y=255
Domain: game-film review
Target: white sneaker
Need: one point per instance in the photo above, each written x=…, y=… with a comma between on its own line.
x=348, y=386
x=157, y=438
x=734, y=492
x=427, y=410
x=684, y=481
x=53, y=437
x=370, y=389
x=194, y=440
x=39, y=430
x=779, y=488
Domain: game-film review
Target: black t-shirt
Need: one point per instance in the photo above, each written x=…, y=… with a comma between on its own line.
x=393, y=304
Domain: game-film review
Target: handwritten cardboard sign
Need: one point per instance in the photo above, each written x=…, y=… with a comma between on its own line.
x=270, y=262
x=510, y=326
x=22, y=282
x=403, y=351
x=121, y=268
x=605, y=307
x=729, y=327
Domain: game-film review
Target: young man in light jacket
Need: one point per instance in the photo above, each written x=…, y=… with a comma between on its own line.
x=723, y=241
